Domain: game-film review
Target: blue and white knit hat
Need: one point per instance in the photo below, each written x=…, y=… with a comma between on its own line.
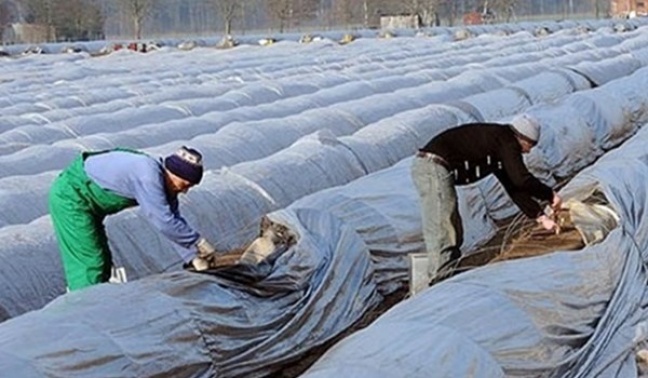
x=185, y=163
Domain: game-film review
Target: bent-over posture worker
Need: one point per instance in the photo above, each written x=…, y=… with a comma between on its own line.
x=464, y=155
x=98, y=184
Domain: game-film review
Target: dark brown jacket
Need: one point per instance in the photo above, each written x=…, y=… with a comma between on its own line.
x=474, y=151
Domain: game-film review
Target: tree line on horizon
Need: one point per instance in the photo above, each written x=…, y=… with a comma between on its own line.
x=73, y=20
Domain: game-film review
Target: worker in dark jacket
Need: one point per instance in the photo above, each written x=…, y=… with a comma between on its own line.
x=98, y=184
x=464, y=155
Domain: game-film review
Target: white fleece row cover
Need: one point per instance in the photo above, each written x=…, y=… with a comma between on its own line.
x=245, y=323
x=567, y=314
x=228, y=205
x=224, y=137
x=351, y=91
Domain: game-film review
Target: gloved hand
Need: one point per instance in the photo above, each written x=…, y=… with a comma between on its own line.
x=206, y=254
x=556, y=201
x=547, y=223
x=197, y=264
x=205, y=248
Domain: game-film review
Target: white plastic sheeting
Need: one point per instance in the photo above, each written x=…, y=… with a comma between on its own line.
x=152, y=111
x=567, y=314
x=24, y=198
x=231, y=219
x=181, y=307
x=602, y=73
x=388, y=141
x=551, y=85
x=395, y=131
x=577, y=129
x=29, y=256
x=482, y=107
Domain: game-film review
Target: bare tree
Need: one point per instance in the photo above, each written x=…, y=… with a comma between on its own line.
x=601, y=7
x=5, y=19
x=289, y=13
x=343, y=12
x=78, y=20
x=228, y=11
x=434, y=12
x=365, y=12
x=202, y=16
x=449, y=9
x=41, y=12
x=304, y=10
x=504, y=9
x=413, y=6
x=427, y=10
x=373, y=9
x=280, y=12
x=356, y=12
x=139, y=11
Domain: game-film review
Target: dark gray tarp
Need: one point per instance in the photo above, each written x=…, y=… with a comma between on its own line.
x=243, y=321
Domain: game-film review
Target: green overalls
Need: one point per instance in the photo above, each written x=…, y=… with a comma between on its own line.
x=78, y=207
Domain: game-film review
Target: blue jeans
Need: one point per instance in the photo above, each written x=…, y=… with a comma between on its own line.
x=442, y=229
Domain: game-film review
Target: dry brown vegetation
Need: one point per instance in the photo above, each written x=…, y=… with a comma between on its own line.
x=516, y=238
x=537, y=242
x=533, y=240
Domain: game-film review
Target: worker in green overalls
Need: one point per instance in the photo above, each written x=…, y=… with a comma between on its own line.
x=98, y=184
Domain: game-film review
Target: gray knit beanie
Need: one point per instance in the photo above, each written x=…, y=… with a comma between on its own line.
x=526, y=126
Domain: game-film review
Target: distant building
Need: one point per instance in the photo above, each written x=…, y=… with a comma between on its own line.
x=628, y=8
x=403, y=21
x=27, y=33
x=472, y=18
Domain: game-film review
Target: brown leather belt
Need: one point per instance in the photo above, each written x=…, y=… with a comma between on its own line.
x=435, y=158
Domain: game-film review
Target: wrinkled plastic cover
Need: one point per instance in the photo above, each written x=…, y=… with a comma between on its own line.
x=577, y=129
x=383, y=207
x=193, y=298
x=238, y=322
x=593, y=221
x=238, y=195
x=118, y=107
x=601, y=74
x=566, y=314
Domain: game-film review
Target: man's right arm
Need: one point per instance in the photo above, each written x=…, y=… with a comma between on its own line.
x=152, y=199
x=530, y=207
x=519, y=176
x=522, y=199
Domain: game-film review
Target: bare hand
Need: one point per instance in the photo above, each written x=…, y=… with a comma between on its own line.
x=547, y=223
x=556, y=202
